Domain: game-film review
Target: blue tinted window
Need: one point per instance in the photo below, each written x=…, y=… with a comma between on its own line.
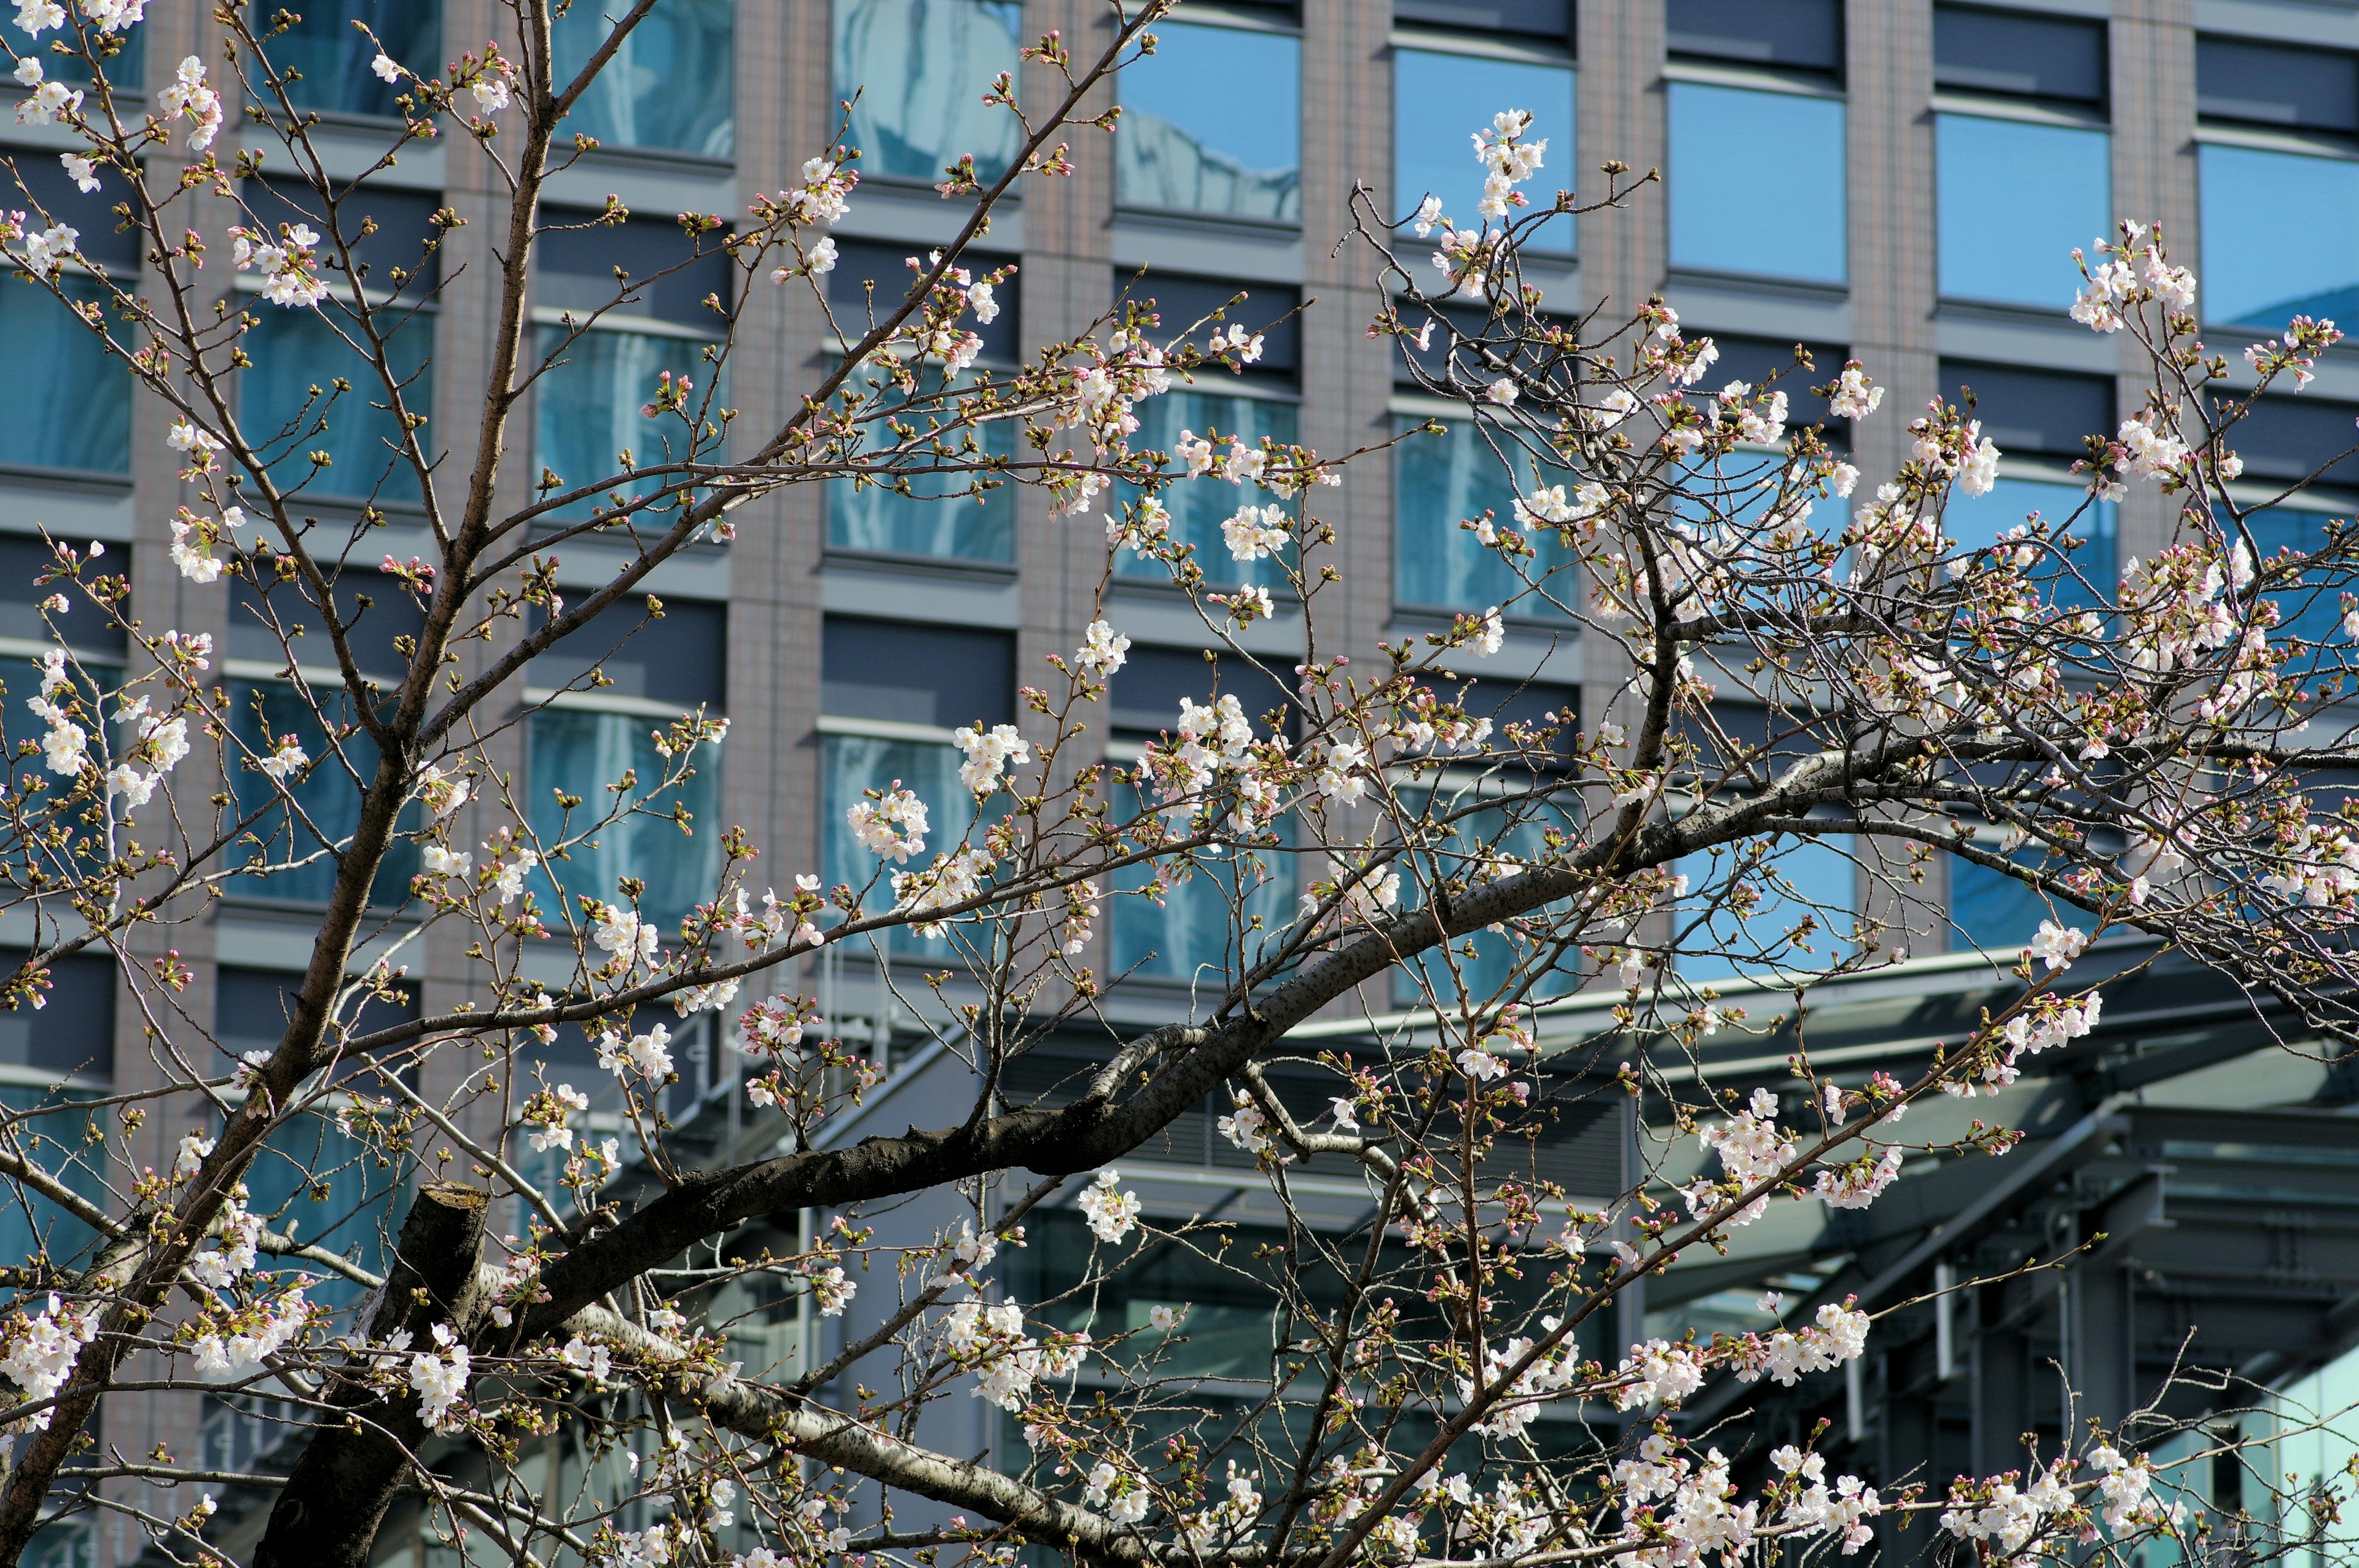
x=1440, y=481
x=1440, y=99
x=668, y=86
x=587, y=408
x=289, y=407
x=71, y=64
x=1977, y=520
x=1199, y=507
x=1479, y=964
x=32, y=1225
x=83, y=419
x=1776, y=210
x=938, y=517
x=2259, y=270
x=1989, y=909
x=584, y=754
x=2014, y=199
x=919, y=69
x=857, y=763
x=290, y=855
x=1194, y=927
x=333, y=56
x=1211, y=122
x=2311, y=609
x=1816, y=878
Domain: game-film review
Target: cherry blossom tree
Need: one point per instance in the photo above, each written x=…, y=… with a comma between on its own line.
x=2142, y=749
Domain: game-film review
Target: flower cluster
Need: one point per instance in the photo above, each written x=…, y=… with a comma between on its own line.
x=1839, y=1334
x=1111, y=1214
x=890, y=824
x=989, y=755
x=40, y=1349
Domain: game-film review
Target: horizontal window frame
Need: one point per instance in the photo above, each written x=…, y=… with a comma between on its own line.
x=267, y=671
x=1518, y=48
x=1758, y=79
x=617, y=322
x=886, y=730
x=1237, y=19
x=341, y=289
x=542, y=697
x=2054, y=112
x=2262, y=139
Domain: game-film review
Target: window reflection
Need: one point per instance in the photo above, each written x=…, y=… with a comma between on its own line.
x=917, y=71
x=1192, y=932
x=333, y=55
x=669, y=85
x=329, y=797
x=2015, y=199
x=1974, y=521
x=83, y=419
x=2310, y=609
x=288, y=392
x=938, y=517
x=588, y=408
x=857, y=763
x=1440, y=481
x=1438, y=98
x=2259, y=270
x=1199, y=507
x=584, y=754
x=1480, y=964
x=1989, y=909
x=1756, y=182
x=1814, y=878
x=1211, y=123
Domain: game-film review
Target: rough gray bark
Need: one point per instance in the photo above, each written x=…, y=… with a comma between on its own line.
x=328, y=1513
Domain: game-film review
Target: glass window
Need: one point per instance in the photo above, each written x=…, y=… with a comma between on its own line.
x=1990, y=910
x=2311, y=609
x=286, y=398
x=1777, y=215
x=1438, y=98
x=1211, y=123
x=261, y=712
x=1487, y=960
x=588, y=424
x=938, y=517
x=83, y=419
x=30, y=1224
x=899, y=672
x=1440, y=481
x=1191, y=932
x=2019, y=52
x=68, y=63
x=2015, y=199
x=2299, y=86
x=1815, y=878
x=917, y=71
x=857, y=763
x=668, y=86
x=1974, y=521
x=1794, y=34
x=2260, y=271
x=2028, y=411
x=1199, y=507
x=332, y=55
x=584, y=752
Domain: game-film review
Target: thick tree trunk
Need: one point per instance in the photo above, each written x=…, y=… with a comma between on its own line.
x=328, y=1515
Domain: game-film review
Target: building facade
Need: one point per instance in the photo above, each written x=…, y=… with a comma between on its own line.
x=1899, y=181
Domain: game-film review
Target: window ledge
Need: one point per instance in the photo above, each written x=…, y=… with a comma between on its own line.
x=77, y=482
x=2273, y=139
x=660, y=160
x=1753, y=283
x=1524, y=49
x=2033, y=110
x=1423, y=618
x=904, y=186
x=2052, y=316
x=993, y=573
x=1757, y=78
x=1213, y=224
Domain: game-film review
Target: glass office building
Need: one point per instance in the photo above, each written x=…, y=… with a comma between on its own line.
x=1899, y=183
